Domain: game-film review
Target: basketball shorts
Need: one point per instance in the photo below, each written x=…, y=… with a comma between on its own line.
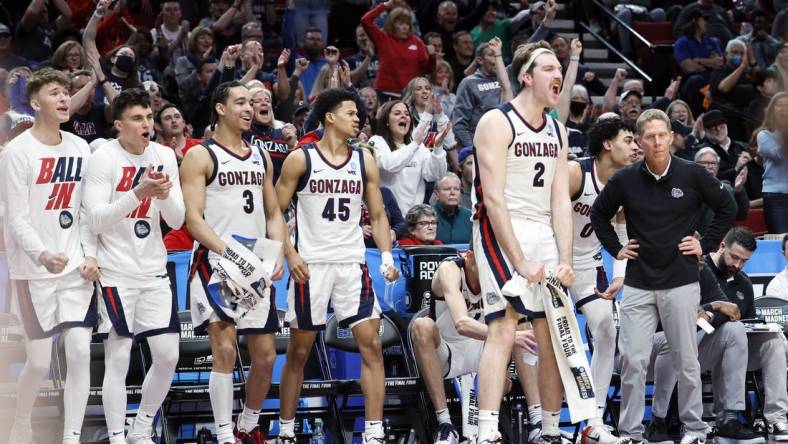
x=47, y=306
x=587, y=281
x=347, y=286
x=261, y=319
x=149, y=310
x=460, y=357
x=537, y=242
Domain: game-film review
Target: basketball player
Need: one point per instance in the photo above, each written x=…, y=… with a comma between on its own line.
x=51, y=253
x=330, y=181
x=449, y=342
x=132, y=183
x=228, y=190
x=522, y=225
x=612, y=146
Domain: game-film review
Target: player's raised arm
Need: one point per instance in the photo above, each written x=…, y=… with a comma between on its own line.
x=196, y=168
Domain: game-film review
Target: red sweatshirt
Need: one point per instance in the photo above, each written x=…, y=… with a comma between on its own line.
x=400, y=60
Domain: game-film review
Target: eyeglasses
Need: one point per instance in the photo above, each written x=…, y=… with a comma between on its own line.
x=708, y=162
x=427, y=223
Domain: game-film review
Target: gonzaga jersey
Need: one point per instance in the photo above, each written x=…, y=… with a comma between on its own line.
x=41, y=188
x=442, y=315
x=530, y=166
x=586, y=250
x=328, y=208
x=234, y=193
x=271, y=140
x=131, y=251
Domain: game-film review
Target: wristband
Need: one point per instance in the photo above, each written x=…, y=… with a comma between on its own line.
x=101, y=82
x=386, y=258
x=574, y=58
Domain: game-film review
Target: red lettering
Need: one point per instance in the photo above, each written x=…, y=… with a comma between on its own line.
x=127, y=180
x=141, y=212
x=45, y=174
x=60, y=197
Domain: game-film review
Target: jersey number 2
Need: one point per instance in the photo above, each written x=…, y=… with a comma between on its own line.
x=249, y=206
x=538, y=181
x=342, y=209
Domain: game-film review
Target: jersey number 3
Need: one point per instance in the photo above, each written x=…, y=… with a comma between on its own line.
x=342, y=210
x=249, y=205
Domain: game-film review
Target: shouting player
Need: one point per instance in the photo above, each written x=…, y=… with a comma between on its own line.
x=612, y=146
x=51, y=253
x=228, y=191
x=330, y=181
x=130, y=184
x=522, y=226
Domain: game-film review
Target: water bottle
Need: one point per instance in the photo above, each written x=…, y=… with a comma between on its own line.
x=518, y=409
x=429, y=140
x=318, y=435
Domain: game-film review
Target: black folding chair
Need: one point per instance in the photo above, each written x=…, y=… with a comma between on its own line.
x=401, y=407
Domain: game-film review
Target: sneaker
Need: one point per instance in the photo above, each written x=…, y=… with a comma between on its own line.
x=657, y=432
x=778, y=431
x=139, y=439
x=253, y=437
x=496, y=438
x=734, y=432
x=534, y=432
x=550, y=439
x=372, y=439
x=600, y=435
x=285, y=440
x=447, y=434
x=690, y=439
x=21, y=433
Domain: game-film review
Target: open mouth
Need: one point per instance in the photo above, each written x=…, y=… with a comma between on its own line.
x=146, y=135
x=62, y=109
x=246, y=118
x=403, y=125
x=556, y=87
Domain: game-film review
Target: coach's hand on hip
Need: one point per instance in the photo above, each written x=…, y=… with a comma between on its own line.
x=630, y=250
x=690, y=246
x=565, y=274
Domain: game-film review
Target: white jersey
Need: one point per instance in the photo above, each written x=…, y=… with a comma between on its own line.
x=530, y=166
x=586, y=248
x=328, y=209
x=131, y=250
x=41, y=188
x=442, y=315
x=234, y=194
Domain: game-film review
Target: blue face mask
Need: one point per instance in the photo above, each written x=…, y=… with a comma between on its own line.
x=735, y=60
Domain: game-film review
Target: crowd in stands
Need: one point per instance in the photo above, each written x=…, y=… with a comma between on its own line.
x=436, y=63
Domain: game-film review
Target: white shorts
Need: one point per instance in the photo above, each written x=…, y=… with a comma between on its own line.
x=586, y=282
x=347, y=286
x=47, y=306
x=538, y=244
x=261, y=319
x=460, y=357
x=139, y=312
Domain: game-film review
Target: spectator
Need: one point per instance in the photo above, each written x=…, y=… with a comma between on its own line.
x=681, y=136
x=397, y=223
x=88, y=120
x=448, y=21
x=405, y=163
x=609, y=102
x=423, y=105
x=541, y=15
x=630, y=105
x=120, y=67
x=226, y=20
x=765, y=83
x=35, y=32
x=252, y=58
x=465, y=161
x=171, y=130
x=730, y=83
x=454, y=220
x=578, y=122
x=709, y=159
x=300, y=111
x=476, y=94
x=462, y=42
x=174, y=31
x=371, y=104
x=720, y=25
x=69, y=57
x=435, y=40
x=587, y=78
x=771, y=138
x=733, y=154
x=311, y=17
x=442, y=80
x=422, y=222
x=490, y=27
x=312, y=50
x=265, y=134
x=680, y=110
x=200, y=47
x=152, y=60
x=8, y=59
x=780, y=25
x=364, y=64
x=764, y=46
x=780, y=66
x=627, y=12
x=755, y=170
x=778, y=287
x=697, y=55
x=402, y=55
